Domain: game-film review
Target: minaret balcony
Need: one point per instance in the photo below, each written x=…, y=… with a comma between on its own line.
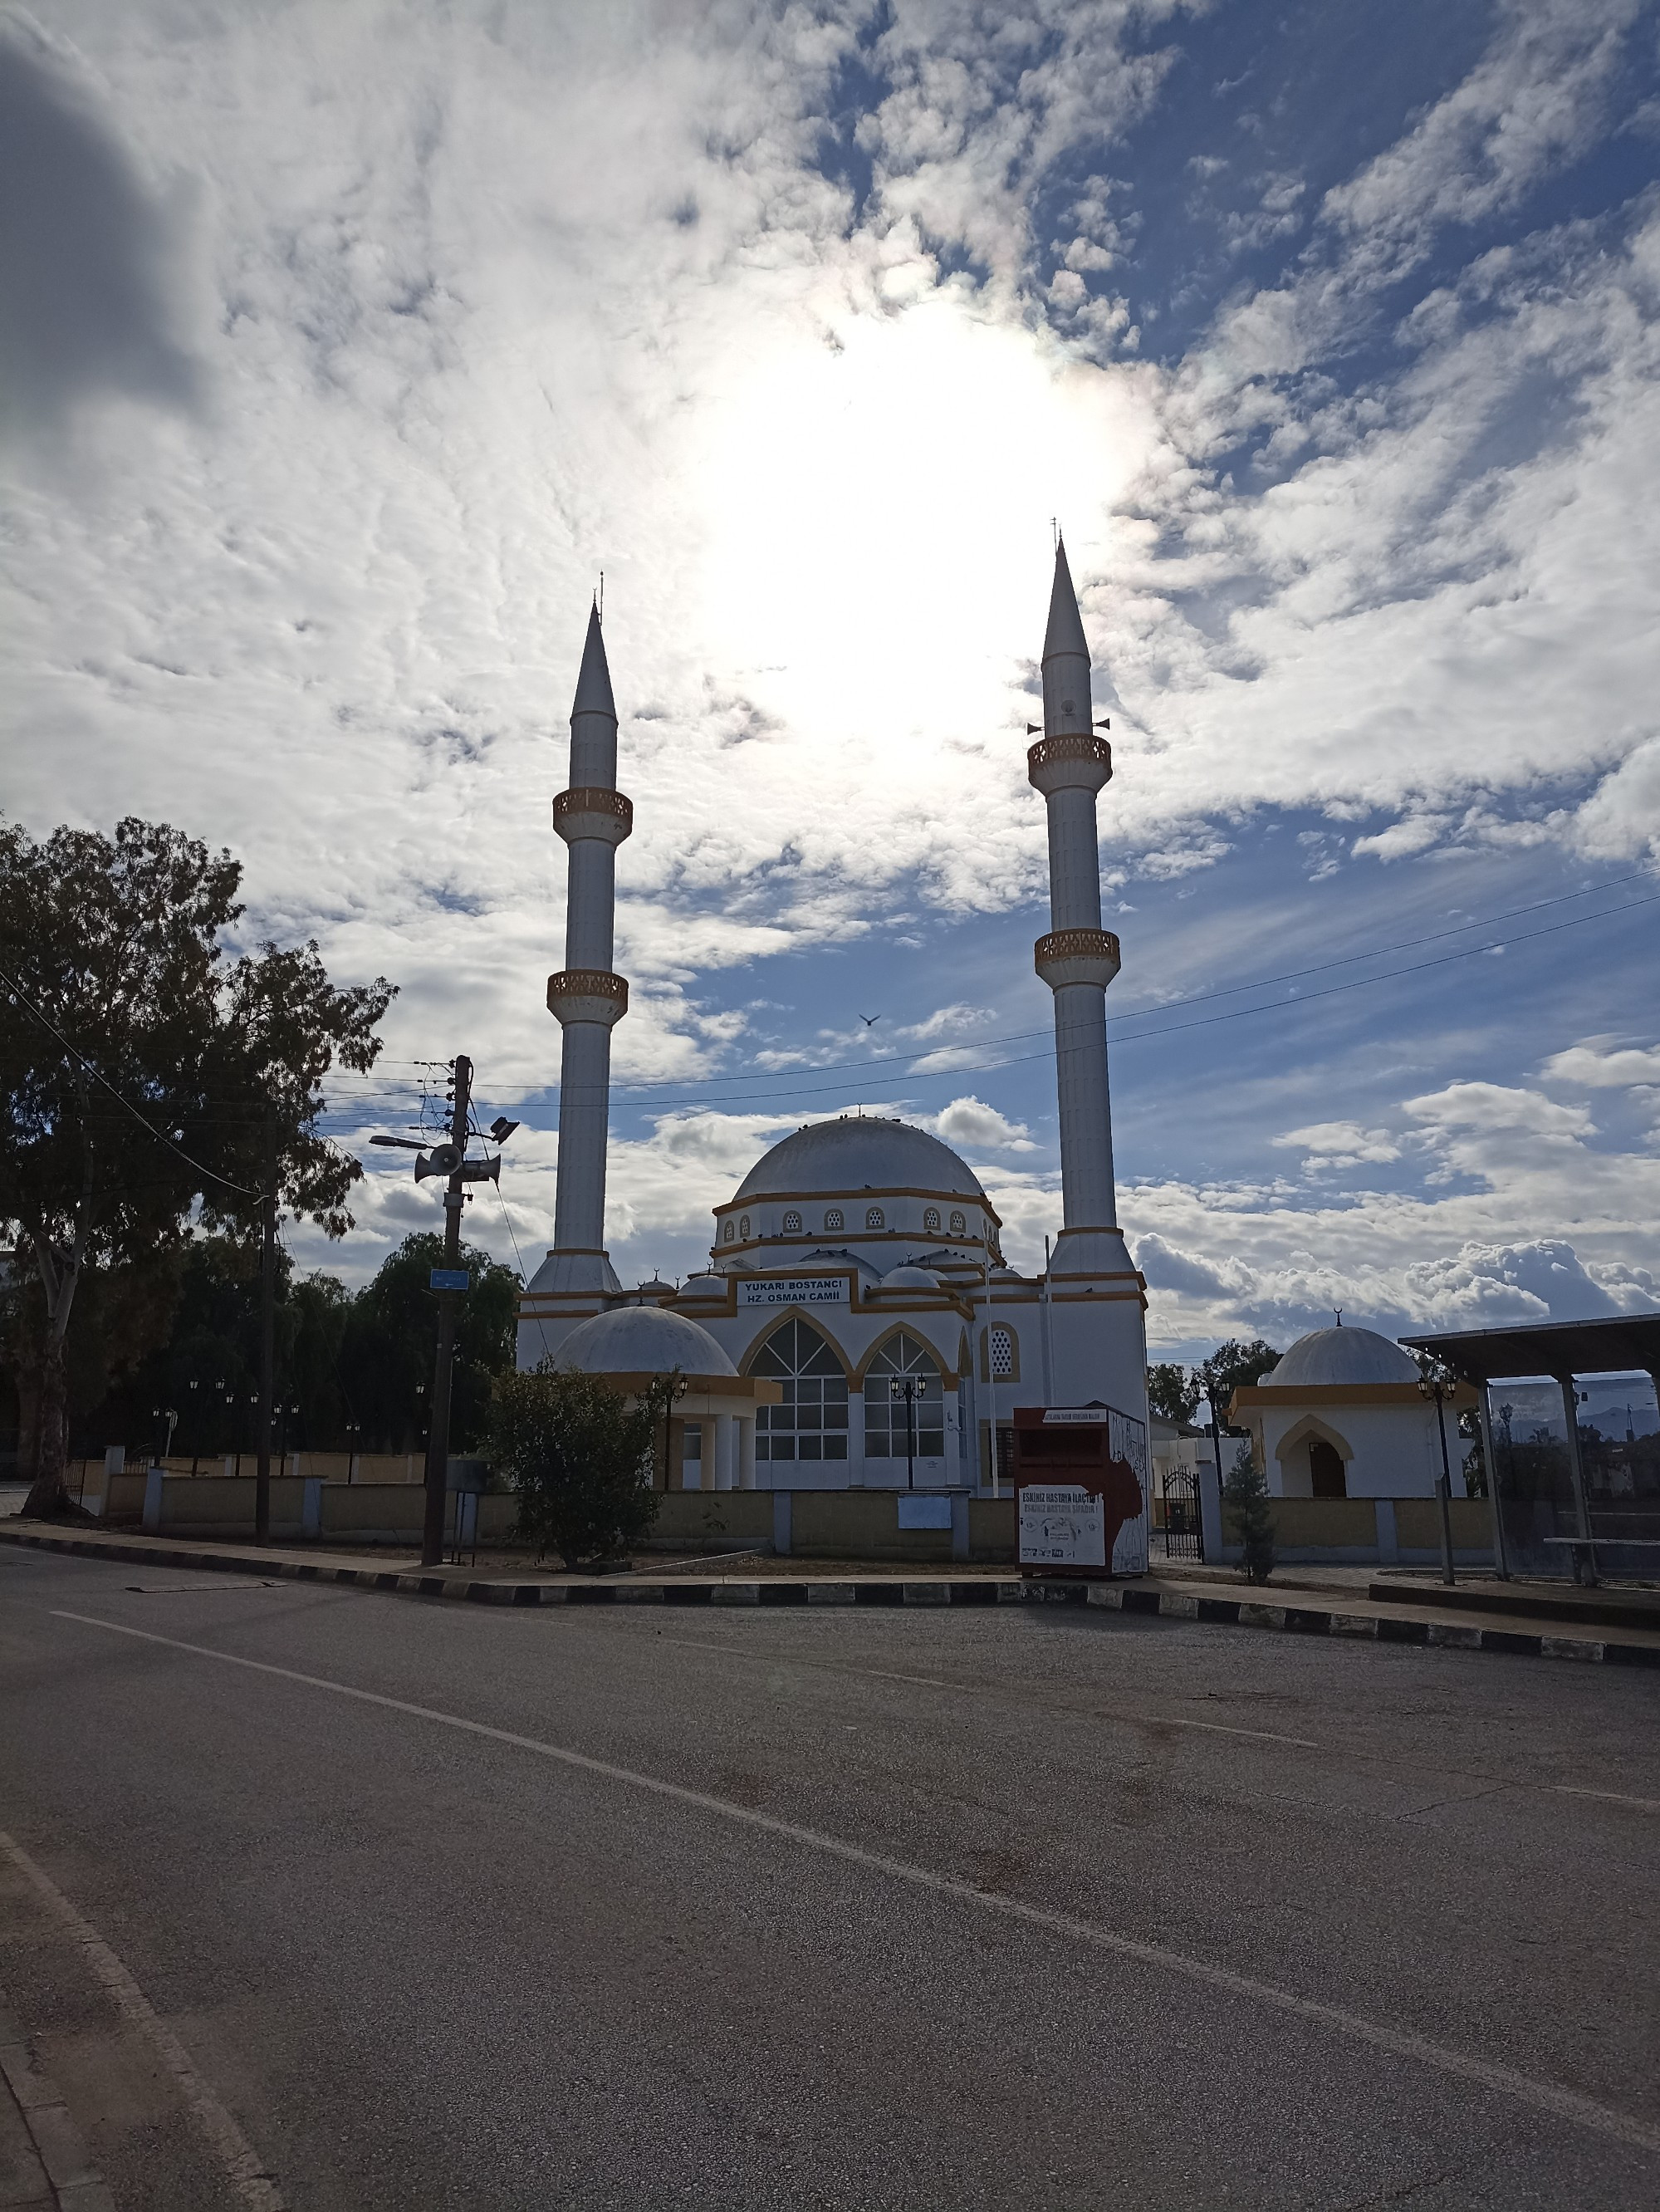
x=587, y=995
x=1076, y=955
x=592, y=810
x=1082, y=762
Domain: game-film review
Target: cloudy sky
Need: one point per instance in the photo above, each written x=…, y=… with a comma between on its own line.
x=345, y=344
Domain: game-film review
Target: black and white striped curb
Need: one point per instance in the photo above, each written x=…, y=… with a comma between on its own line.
x=886, y=1590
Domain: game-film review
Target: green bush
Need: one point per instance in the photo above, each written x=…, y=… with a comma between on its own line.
x=579, y=1457
x=1245, y=1495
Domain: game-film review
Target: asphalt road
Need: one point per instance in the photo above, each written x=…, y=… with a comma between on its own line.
x=802, y=1908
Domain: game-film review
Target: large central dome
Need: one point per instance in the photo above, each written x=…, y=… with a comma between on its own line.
x=856, y=1154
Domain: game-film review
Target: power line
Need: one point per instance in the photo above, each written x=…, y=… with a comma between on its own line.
x=1206, y=1021
x=687, y=1088
x=212, y=1174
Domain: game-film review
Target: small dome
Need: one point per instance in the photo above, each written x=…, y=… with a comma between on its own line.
x=642, y=1340
x=855, y=1153
x=657, y=1288
x=704, y=1286
x=1343, y=1355
x=909, y=1279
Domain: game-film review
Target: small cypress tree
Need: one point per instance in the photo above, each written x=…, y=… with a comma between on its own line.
x=1245, y=1495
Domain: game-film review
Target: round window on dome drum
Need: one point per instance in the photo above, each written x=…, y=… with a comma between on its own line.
x=743, y=1229
x=930, y=1220
x=959, y=1224
x=833, y=1218
x=874, y=1218
x=792, y=1224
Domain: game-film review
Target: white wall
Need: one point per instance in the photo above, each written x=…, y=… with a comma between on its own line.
x=1395, y=1453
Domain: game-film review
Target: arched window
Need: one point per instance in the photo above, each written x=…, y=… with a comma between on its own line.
x=728, y=1232
x=959, y=1224
x=899, y=1424
x=874, y=1218
x=930, y=1220
x=1001, y=1354
x=833, y=1218
x=792, y=1224
x=812, y=1421
x=743, y=1229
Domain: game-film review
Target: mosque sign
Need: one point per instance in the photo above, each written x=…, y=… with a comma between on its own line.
x=793, y=1291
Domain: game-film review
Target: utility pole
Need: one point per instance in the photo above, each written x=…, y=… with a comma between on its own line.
x=449, y=1307
x=262, y=1486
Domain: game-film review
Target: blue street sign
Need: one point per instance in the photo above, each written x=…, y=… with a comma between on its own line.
x=450, y=1278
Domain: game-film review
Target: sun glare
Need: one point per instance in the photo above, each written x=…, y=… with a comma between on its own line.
x=878, y=510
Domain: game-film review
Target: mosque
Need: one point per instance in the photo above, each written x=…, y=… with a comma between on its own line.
x=857, y=1325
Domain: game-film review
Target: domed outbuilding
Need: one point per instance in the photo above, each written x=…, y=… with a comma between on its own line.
x=712, y=1424
x=1343, y=1416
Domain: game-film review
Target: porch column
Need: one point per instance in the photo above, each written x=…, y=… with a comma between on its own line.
x=746, y=1451
x=726, y=1428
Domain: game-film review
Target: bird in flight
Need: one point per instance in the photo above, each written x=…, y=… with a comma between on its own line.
x=869, y=1020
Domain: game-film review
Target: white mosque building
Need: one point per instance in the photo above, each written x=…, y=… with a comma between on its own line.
x=858, y=1326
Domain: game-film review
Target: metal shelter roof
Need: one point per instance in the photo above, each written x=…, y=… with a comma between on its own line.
x=1551, y=1347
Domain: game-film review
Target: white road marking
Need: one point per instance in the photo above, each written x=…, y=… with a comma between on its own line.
x=243, y=2166
x=978, y=1689
x=1607, y=1797
x=1542, y=2096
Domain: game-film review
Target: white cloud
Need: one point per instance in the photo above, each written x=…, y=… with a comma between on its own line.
x=1340, y=1144
x=970, y=1123
x=1603, y=1064
x=1497, y=1106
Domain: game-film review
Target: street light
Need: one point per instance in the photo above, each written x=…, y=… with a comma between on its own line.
x=905, y=1387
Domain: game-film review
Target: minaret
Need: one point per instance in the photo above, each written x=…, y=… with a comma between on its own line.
x=1078, y=959
x=585, y=997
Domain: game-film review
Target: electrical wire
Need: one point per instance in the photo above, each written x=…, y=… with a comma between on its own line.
x=687, y=1088
x=212, y=1174
x=700, y=1097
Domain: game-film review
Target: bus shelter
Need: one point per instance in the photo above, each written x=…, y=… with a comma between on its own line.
x=1589, y=1506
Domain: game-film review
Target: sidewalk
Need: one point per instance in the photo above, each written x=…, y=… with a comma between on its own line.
x=1307, y=1601
x=43, y=2162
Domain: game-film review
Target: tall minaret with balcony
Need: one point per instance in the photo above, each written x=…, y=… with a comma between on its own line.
x=1070, y=764
x=586, y=997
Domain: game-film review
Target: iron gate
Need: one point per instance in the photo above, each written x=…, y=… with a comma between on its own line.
x=1183, y=1537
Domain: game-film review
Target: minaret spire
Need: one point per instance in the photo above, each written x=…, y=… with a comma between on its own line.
x=1096, y=1295
x=1078, y=958
x=585, y=996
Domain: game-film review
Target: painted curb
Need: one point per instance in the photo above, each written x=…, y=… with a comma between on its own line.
x=1117, y=1597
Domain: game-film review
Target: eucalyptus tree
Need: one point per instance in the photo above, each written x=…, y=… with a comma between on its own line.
x=157, y=1076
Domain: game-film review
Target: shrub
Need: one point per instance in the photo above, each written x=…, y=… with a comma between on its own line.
x=1245, y=1494
x=579, y=1457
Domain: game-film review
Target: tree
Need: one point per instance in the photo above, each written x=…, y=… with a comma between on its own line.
x=152, y=1078
x=1172, y=1391
x=1233, y=1366
x=388, y=1336
x=1245, y=1495
x=579, y=1457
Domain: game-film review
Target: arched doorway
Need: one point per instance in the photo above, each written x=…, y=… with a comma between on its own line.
x=905, y=1411
x=811, y=1423
x=1327, y=1476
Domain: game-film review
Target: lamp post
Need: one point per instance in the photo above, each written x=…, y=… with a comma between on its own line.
x=904, y=1386
x=195, y=1427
